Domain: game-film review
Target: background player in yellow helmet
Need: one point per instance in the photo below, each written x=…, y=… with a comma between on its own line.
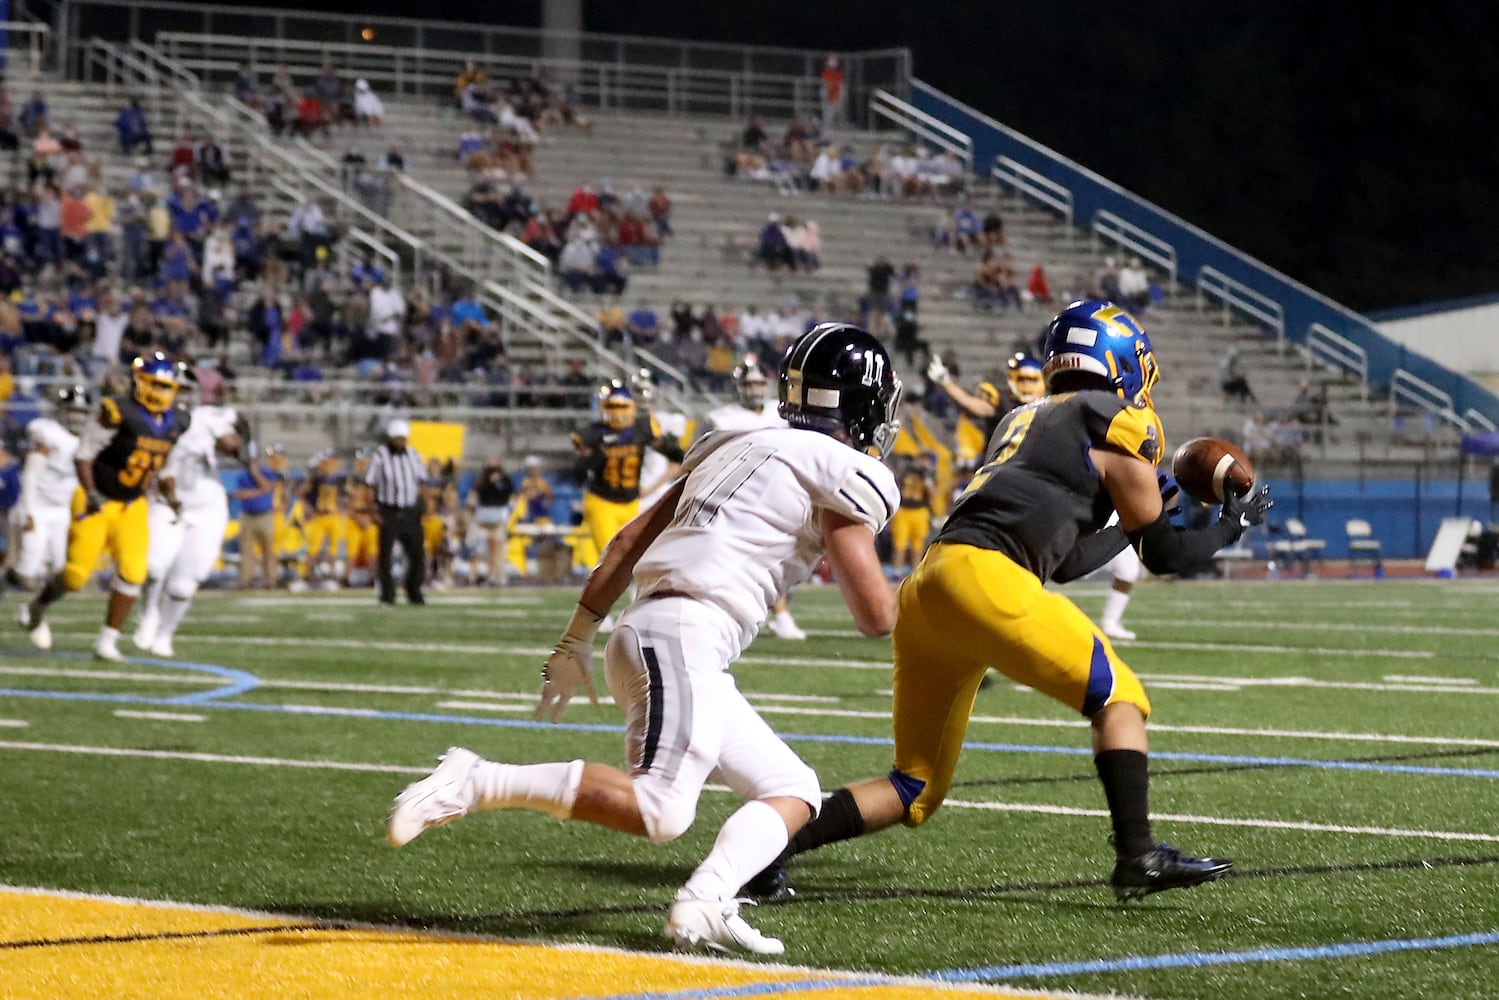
x=611, y=452
x=913, y=519
x=118, y=455
x=987, y=404
x=323, y=522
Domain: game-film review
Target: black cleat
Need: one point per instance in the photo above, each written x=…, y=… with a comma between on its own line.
x=1164, y=867
x=771, y=885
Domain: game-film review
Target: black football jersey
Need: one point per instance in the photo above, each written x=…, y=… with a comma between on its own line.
x=325, y=492
x=612, y=458
x=142, y=439
x=1038, y=492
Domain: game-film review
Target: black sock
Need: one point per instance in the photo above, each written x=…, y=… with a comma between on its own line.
x=1126, y=784
x=50, y=594
x=838, y=819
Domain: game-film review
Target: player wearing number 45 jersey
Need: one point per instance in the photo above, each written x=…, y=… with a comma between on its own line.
x=118, y=455
x=755, y=513
x=1035, y=512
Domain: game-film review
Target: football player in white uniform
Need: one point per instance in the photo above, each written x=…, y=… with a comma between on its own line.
x=656, y=470
x=188, y=511
x=754, y=513
x=48, y=479
x=752, y=410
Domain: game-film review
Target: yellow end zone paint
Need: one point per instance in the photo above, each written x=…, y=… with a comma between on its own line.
x=72, y=945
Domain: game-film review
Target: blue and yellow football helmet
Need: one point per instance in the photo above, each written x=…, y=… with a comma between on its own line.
x=616, y=405
x=1027, y=384
x=157, y=379
x=1100, y=338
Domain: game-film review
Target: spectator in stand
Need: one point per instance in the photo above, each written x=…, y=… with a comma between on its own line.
x=772, y=249
x=477, y=104
x=46, y=157
x=247, y=88
x=1134, y=285
x=754, y=136
x=1255, y=437
x=109, y=331
x=540, y=234
x=74, y=214
x=158, y=229
x=218, y=255
x=642, y=325
x=387, y=313
x=1231, y=379
x=472, y=75
x=9, y=140
x=132, y=128
x=832, y=91
x=368, y=108
x=311, y=117
x=1106, y=281
x=34, y=114
x=576, y=264
x=144, y=178
x=994, y=281
x=907, y=327
x=208, y=158
x=583, y=201
x=47, y=247
x=1287, y=438
x=309, y=228
x=994, y=228
x=100, y=228
x=876, y=305
x=640, y=244
x=1038, y=287
x=612, y=324
x=184, y=155
x=332, y=95
x=609, y=277
x=132, y=220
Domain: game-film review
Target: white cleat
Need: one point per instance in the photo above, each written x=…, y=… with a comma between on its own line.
x=783, y=626
x=145, y=632
x=1114, y=630
x=715, y=925
x=162, y=648
x=436, y=800
x=106, y=649
x=40, y=633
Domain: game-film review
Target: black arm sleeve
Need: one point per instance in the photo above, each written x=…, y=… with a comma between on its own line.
x=1166, y=549
x=669, y=447
x=1090, y=552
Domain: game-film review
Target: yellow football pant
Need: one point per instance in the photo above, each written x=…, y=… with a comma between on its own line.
x=119, y=527
x=433, y=531
x=909, y=528
x=363, y=545
x=964, y=610
x=325, y=529
x=603, y=518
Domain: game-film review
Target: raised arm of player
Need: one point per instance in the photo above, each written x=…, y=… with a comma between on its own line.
x=851, y=552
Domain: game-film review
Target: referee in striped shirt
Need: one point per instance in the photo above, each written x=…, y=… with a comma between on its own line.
x=396, y=473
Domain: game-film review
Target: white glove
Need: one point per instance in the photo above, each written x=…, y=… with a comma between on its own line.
x=570, y=665
x=937, y=371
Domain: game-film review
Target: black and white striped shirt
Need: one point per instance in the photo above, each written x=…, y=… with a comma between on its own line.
x=397, y=479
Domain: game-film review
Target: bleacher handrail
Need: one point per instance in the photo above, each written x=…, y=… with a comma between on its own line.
x=36, y=39
x=1298, y=305
x=179, y=73
x=1334, y=348
x=1130, y=236
x=1408, y=387
x=1476, y=419
x=1237, y=295
x=886, y=105
x=392, y=259
x=1036, y=186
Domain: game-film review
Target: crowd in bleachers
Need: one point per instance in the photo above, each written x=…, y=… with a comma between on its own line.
x=803, y=159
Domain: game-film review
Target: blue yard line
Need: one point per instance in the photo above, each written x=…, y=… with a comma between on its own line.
x=1189, y=960
x=213, y=699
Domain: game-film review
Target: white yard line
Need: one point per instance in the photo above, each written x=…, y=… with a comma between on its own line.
x=1412, y=679
x=1425, y=687
x=13, y=723
x=1018, y=807
x=486, y=706
x=1361, y=628
x=125, y=713
x=1253, y=824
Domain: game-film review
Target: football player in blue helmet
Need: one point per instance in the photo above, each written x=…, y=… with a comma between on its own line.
x=1027, y=383
x=838, y=379
x=1037, y=513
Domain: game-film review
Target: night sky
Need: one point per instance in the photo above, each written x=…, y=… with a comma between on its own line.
x=1349, y=145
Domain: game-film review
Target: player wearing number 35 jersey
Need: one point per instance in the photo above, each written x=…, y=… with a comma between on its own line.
x=756, y=511
x=118, y=455
x=1038, y=511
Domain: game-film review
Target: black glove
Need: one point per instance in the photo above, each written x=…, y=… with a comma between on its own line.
x=93, y=501
x=1170, y=503
x=1241, y=513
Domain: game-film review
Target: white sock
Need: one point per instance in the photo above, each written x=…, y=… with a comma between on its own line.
x=547, y=788
x=1113, y=607
x=751, y=839
x=784, y=617
x=151, y=599
x=172, y=611
x=107, y=634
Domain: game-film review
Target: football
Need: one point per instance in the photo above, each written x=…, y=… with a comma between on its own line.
x=1204, y=467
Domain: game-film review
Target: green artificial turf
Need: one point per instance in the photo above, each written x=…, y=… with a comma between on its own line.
x=1252, y=684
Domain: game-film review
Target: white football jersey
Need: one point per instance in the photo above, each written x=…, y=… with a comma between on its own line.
x=59, y=477
x=194, y=460
x=735, y=417
x=747, y=526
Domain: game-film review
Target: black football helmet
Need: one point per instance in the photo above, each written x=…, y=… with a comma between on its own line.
x=836, y=378
x=750, y=384
x=72, y=404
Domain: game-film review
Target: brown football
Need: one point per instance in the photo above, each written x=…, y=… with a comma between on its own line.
x=1202, y=467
